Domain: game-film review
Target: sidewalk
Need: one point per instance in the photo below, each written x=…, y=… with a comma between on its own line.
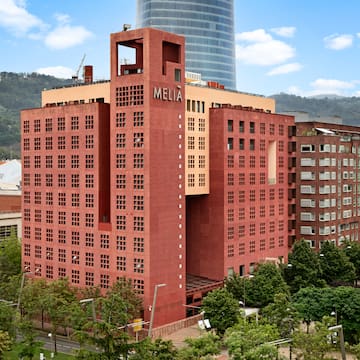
x=178, y=337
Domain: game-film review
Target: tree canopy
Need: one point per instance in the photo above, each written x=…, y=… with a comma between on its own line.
x=336, y=267
x=342, y=302
x=258, y=289
x=303, y=268
x=248, y=340
x=221, y=308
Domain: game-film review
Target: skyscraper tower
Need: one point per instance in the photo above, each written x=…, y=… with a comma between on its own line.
x=208, y=26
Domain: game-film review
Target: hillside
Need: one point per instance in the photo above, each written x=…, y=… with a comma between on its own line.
x=21, y=91
x=348, y=108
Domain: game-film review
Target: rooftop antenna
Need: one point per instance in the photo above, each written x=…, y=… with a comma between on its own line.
x=126, y=27
x=75, y=77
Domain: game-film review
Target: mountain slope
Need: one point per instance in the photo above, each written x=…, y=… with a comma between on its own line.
x=348, y=108
x=17, y=92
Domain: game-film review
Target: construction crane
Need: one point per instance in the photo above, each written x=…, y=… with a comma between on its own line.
x=75, y=77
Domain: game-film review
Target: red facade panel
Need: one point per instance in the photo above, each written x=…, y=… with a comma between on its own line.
x=244, y=220
x=148, y=110
x=10, y=203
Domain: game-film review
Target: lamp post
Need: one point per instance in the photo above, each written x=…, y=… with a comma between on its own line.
x=50, y=335
x=334, y=313
x=153, y=308
x=21, y=288
x=341, y=336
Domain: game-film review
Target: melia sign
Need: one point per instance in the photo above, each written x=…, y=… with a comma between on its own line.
x=168, y=94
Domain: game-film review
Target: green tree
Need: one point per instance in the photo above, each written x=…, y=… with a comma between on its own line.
x=236, y=284
x=267, y=281
x=32, y=299
x=57, y=300
x=282, y=314
x=7, y=315
x=355, y=350
x=29, y=346
x=263, y=351
x=158, y=349
x=336, y=268
x=221, y=308
x=303, y=269
x=200, y=348
x=10, y=265
x=5, y=343
x=128, y=304
x=248, y=340
x=313, y=345
x=343, y=302
x=118, y=308
x=308, y=302
x=352, y=251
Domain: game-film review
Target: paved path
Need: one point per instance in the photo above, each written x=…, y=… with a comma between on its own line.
x=178, y=337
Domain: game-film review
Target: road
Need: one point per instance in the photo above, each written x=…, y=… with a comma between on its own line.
x=63, y=344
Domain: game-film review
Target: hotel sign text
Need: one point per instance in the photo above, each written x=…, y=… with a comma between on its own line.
x=168, y=94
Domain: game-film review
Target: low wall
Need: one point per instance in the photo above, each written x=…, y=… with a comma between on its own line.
x=175, y=326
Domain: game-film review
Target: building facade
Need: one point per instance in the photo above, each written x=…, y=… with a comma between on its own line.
x=106, y=183
x=250, y=205
x=10, y=213
x=10, y=199
x=328, y=178
x=134, y=179
x=208, y=26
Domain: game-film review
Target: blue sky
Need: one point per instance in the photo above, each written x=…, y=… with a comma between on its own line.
x=306, y=47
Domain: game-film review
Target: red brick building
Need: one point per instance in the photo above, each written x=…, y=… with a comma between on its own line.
x=105, y=182
x=248, y=217
x=328, y=176
x=152, y=185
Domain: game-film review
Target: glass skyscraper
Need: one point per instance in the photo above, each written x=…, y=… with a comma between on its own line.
x=208, y=26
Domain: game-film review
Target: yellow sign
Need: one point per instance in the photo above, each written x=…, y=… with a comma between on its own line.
x=138, y=324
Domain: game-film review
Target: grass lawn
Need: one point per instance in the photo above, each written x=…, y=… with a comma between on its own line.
x=13, y=355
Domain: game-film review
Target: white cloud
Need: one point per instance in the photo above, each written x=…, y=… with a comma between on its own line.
x=65, y=36
x=60, y=72
x=258, y=35
x=285, y=31
x=62, y=18
x=285, y=69
x=265, y=53
x=15, y=17
x=338, y=42
x=326, y=86
x=331, y=85
x=259, y=48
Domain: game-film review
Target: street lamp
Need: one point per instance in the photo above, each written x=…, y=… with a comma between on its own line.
x=153, y=308
x=21, y=288
x=50, y=335
x=334, y=313
x=341, y=336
